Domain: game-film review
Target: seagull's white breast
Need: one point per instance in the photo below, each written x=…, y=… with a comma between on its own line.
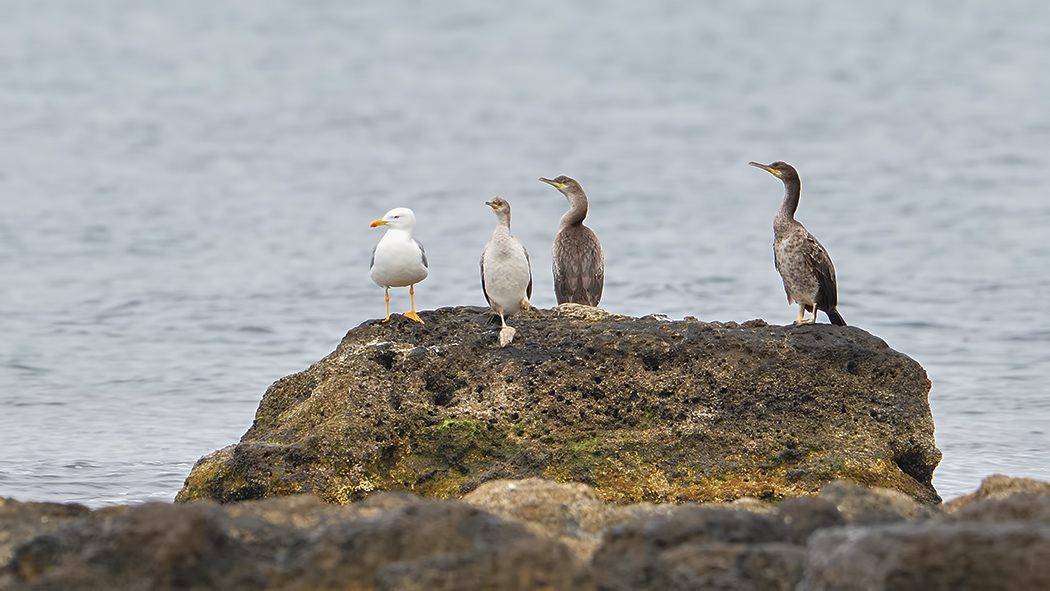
x=398, y=260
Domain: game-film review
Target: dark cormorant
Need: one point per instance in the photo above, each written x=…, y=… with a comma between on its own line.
x=804, y=264
x=578, y=262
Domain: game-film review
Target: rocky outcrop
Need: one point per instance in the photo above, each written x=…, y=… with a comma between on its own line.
x=532, y=535
x=640, y=409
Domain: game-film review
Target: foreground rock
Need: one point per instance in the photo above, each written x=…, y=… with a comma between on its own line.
x=642, y=409
x=532, y=535
x=295, y=543
x=996, y=538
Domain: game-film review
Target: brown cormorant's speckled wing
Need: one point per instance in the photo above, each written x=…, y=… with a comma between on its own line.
x=579, y=271
x=819, y=263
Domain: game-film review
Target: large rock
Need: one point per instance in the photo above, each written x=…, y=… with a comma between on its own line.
x=642, y=409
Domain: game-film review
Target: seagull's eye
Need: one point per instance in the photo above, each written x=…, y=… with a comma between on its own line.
x=397, y=217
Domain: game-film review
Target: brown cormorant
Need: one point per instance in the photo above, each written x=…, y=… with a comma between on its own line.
x=577, y=259
x=804, y=264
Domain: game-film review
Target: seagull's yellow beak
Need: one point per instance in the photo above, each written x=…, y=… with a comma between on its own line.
x=772, y=171
x=378, y=223
x=493, y=205
x=554, y=184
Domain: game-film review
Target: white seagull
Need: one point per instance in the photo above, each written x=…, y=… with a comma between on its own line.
x=506, y=275
x=399, y=260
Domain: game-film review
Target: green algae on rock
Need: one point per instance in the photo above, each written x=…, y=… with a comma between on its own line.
x=642, y=409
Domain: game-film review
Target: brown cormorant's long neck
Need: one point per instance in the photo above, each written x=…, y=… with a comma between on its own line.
x=786, y=213
x=577, y=209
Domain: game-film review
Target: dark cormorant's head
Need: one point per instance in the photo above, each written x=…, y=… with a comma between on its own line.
x=564, y=184
x=781, y=170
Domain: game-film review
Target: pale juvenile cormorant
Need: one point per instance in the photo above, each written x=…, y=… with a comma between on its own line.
x=399, y=260
x=577, y=259
x=804, y=264
x=506, y=275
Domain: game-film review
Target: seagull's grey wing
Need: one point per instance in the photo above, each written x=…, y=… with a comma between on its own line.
x=422, y=252
x=373, y=263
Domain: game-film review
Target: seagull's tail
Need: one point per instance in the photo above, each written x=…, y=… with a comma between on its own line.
x=835, y=318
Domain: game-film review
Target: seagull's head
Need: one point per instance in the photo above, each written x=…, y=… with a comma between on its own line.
x=399, y=218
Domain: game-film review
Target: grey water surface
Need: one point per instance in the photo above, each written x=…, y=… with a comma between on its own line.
x=186, y=188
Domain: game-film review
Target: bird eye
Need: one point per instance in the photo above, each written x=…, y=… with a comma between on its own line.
x=397, y=217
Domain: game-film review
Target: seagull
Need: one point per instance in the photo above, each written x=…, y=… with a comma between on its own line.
x=398, y=260
x=578, y=262
x=803, y=262
x=506, y=275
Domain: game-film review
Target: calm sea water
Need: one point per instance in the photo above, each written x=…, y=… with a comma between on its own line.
x=186, y=187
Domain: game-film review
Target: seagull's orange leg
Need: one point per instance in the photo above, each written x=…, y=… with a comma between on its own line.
x=412, y=314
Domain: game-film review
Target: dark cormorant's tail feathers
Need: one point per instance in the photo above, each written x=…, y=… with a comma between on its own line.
x=835, y=318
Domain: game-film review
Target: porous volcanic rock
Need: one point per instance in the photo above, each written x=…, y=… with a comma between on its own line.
x=642, y=409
